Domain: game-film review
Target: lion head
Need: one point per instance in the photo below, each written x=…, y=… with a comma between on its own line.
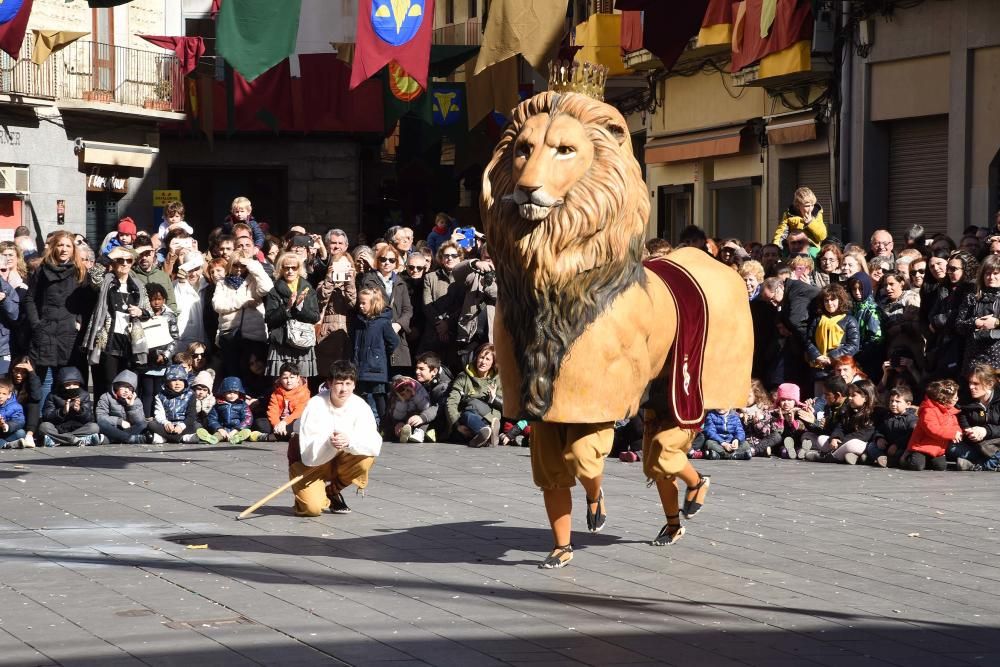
x=565, y=209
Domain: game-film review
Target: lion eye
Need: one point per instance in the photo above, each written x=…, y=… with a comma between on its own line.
x=523, y=149
x=564, y=151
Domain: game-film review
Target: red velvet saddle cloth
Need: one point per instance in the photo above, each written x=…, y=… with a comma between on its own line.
x=686, y=359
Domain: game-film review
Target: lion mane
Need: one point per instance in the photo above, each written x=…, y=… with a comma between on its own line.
x=557, y=276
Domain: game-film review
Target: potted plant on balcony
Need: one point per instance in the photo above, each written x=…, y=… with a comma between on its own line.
x=97, y=95
x=161, y=102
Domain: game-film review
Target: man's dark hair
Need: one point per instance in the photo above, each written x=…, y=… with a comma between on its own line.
x=343, y=370
x=903, y=392
x=432, y=360
x=836, y=385
x=156, y=289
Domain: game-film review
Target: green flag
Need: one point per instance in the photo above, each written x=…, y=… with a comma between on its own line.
x=255, y=35
x=402, y=95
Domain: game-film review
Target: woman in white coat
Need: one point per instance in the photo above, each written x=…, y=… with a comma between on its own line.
x=239, y=301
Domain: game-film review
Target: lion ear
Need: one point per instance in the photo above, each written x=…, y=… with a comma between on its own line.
x=617, y=130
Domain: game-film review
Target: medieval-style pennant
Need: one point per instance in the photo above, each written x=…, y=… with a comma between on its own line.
x=448, y=104
x=47, y=42
x=187, y=49
x=397, y=30
x=14, y=16
x=402, y=95
x=255, y=35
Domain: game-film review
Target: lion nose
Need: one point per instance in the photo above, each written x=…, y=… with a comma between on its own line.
x=528, y=189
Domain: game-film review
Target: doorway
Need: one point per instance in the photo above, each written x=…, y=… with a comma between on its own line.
x=674, y=211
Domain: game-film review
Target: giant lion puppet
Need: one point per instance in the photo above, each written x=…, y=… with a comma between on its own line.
x=585, y=332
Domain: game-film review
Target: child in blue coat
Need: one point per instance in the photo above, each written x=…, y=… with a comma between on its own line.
x=725, y=437
x=374, y=341
x=230, y=419
x=11, y=417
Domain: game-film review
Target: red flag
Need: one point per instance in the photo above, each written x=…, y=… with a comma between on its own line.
x=397, y=30
x=13, y=25
x=187, y=49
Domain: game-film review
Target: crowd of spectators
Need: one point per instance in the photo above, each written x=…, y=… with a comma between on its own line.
x=877, y=354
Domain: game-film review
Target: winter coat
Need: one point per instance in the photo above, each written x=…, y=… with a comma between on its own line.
x=468, y=386
x=374, y=342
x=155, y=275
x=13, y=414
x=55, y=403
x=437, y=390
x=258, y=233
x=112, y=411
x=896, y=429
x=853, y=426
x=277, y=314
x=946, y=346
x=10, y=311
x=418, y=404
x=231, y=416
x=982, y=346
x=975, y=413
x=242, y=309
x=402, y=313
x=475, y=320
x=848, y=343
x=723, y=426
x=442, y=301
x=57, y=301
x=792, y=220
x=758, y=423
x=175, y=406
x=99, y=328
x=936, y=427
x=191, y=303
x=295, y=401
x=336, y=306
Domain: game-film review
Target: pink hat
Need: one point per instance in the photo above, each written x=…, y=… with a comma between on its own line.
x=789, y=391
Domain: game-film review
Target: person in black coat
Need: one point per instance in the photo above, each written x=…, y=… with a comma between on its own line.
x=68, y=413
x=374, y=340
x=768, y=344
x=58, y=301
x=893, y=427
x=385, y=276
x=979, y=419
x=946, y=344
x=291, y=299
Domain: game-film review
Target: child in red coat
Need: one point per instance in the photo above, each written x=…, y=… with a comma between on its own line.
x=937, y=427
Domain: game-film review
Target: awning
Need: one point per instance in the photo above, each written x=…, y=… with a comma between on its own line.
x=694, y=146
x=118, y=155
x=792, y=128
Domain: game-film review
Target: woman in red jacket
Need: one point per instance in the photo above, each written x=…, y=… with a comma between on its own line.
x=937, y=427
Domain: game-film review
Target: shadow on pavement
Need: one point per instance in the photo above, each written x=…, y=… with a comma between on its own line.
x=99, y=461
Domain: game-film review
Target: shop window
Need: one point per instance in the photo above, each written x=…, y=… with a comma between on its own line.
x=674, y=213
x=736, y=208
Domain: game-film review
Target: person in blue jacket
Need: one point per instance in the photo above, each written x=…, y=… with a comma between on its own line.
x=11, y=417
x=374, y=340
x=725, y=437
x=230, y=419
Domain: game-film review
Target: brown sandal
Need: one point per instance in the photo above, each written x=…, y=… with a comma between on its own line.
x=693, y=505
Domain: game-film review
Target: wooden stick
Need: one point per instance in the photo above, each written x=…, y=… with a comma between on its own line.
x=309, y=476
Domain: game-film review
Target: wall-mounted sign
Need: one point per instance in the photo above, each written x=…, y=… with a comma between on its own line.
x=105, y=181
x=163, y=197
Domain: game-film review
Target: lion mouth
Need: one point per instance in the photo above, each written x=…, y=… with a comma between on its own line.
x=533, y=212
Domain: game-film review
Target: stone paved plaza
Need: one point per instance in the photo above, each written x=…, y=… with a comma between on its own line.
x=131, y=555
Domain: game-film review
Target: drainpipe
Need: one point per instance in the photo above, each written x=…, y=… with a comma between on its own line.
x=842, y=160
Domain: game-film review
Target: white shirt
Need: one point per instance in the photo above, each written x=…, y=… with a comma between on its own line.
x=190, y=311
x=321, y=419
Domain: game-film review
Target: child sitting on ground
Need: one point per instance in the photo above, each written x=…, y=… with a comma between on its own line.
x=791, y=419
x=835, y=397
x=287, y=402
x=11, y=417
x=409, y=410
x=204, y=400
x=850, y=436
x=68, y=413
x=230, y=419
x=724, y=436
x=937, y=427
x=763, y=435
x=119, y=412
x=893, y=427
x=436, y=379
x=174, y=409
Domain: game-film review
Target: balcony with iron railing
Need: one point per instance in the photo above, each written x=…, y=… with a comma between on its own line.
x=464, y=33
x=97, y=77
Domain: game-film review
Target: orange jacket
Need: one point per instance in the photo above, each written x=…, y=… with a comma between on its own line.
x=297, y=399
x=936, y=427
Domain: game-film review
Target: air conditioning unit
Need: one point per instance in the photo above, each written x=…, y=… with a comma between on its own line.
x=14, y=180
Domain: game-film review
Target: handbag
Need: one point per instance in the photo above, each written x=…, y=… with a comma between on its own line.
x=300, y=335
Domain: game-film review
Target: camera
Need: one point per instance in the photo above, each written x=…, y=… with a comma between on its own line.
x=468, y=239
x=73, y=392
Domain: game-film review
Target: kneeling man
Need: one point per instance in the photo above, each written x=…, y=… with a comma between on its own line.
x=338, y=439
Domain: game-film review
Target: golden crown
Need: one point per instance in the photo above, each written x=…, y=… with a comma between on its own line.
x=574, y=77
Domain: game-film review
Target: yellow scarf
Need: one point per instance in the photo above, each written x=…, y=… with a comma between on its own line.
x=828, y=333
x=294, y=286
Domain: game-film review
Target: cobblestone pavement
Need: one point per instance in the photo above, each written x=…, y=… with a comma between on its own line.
x=130, y=555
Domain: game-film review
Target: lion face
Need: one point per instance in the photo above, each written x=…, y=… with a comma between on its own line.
x=551, y=155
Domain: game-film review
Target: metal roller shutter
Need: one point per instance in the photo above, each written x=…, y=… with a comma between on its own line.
x=918, y=176
x=814, y=173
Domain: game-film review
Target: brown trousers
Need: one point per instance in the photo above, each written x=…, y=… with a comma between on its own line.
x=345, y=469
